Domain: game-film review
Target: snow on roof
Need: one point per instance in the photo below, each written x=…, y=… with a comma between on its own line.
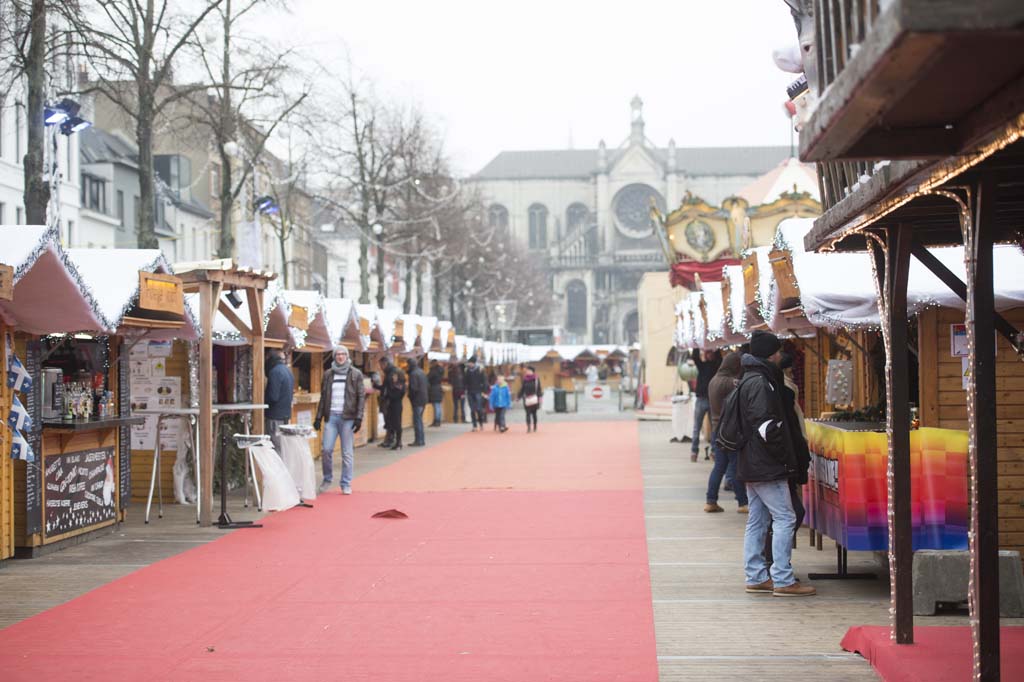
x=343, y=321
x=318, y=331
x=50, y=295
x=789, y=175
x=444, y=328
x=737, y=299
x=113, y=277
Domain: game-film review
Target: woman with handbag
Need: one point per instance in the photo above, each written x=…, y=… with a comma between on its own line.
x=529, y=393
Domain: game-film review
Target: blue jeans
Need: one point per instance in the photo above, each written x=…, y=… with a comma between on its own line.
x=725, y=465
x=437, y=413
x=476, y=407
x=335, y=428
x=417, y=423
x=458, y=407
x=700, y=411
x=499, y=417
x=770, y=504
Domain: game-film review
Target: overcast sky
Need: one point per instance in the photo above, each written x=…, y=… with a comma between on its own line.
x=532, y=74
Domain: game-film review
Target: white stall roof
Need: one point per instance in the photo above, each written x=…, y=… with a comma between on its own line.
x=343, y=321
x=113, y=277
x=737, y=299
x=318, y=332
x=50, y=296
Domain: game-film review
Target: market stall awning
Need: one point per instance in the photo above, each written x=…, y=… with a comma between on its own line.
x=113, y=277
x=49, y=295
x=446, y=335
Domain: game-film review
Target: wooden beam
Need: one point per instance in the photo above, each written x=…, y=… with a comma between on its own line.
x=208, y=293
x=234, y=319
x=255, y=298
x=983, y=442
x=892, y=271
x=958, y=287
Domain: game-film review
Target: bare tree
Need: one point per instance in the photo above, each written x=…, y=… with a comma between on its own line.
x=245, y=103
x=292, y=204
x=27, y=46
x=362, y=171
x=133, y=44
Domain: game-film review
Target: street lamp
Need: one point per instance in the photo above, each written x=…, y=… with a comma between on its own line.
x=378, y=229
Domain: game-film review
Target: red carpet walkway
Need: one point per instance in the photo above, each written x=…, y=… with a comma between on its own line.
x=523, y=558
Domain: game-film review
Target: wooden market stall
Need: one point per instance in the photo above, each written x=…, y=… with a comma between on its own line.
x=219, y=285
x=79, y=480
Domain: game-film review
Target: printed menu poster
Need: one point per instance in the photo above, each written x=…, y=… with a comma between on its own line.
x=155, y=393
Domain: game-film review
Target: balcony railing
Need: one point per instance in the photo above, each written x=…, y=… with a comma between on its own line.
x=840, y=28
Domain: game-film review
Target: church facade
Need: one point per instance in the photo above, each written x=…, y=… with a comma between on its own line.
x=585, y=213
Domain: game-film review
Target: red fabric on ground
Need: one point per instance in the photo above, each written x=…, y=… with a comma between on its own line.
x=475, y=585
x=938, y=654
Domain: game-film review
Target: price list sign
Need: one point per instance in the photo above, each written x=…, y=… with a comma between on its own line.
x=79, y=490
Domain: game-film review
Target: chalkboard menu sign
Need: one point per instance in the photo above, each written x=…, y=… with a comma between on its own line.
x=79, y=490
x=124, y=436
x=33, y=403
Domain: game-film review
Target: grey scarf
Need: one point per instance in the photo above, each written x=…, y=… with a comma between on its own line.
x=340, y=369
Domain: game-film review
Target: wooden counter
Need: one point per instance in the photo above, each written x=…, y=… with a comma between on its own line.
x=76, y=486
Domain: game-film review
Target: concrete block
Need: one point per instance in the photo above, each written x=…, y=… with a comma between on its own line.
x=942, y=576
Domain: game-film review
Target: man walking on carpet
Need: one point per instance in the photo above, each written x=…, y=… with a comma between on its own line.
x=342, y=401
x=419, y=396
x=476, y=388
x=767, y=462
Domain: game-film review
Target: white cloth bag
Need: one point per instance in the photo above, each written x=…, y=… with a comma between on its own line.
x=279, y=490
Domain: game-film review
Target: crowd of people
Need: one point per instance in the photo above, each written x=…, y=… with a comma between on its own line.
x=760, y=449
x=341, y=408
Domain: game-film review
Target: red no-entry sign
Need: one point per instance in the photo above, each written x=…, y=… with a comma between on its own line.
x=597, y=393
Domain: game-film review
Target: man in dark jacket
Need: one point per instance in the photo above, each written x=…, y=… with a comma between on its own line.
x=767, y=460
x=707, y=367
x=419, y=396
x=342, y=401
x=382, y=380
x=723, y=383
x=456, y=378
x=278, y=395
x=435, y=392
x=476, y=388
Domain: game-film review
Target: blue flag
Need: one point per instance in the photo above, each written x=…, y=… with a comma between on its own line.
x=20, y=449
x=19, y=418
x=18, y=377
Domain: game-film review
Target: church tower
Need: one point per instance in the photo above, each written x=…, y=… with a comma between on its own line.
x=636, y=133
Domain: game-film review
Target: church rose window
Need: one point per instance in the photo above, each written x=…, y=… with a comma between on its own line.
x=632, y=209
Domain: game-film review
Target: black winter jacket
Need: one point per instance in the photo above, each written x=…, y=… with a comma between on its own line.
x=800, y=448
x=455, y=378
x=769, y=453
x=280, y=387
x=706, y=370
x=434, y=379
x=418, y=393
x=476, y=382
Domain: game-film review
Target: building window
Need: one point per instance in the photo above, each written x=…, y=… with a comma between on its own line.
x=120, y=208
x=576, y=306
x=497, y=217
x=71, y=233
x=2, y=212
x=17, y=132
x=538, y=226
x=576, y=218
x=94, y=194
x=17, y=216
x=137, y=212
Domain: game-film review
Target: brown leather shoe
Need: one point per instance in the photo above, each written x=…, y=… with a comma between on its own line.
x=795, y=590
x=693, y=457
x=743, y=510
x=712, y=507
x=761, y=588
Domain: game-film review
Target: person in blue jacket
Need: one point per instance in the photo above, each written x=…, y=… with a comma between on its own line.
x=278, y=395
x=500, y=400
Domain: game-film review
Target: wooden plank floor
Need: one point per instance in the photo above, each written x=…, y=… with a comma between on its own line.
x=707, y=627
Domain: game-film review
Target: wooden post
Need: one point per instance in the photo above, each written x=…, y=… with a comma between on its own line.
x=982, y=443
x=255, y=299
x=892, y=269
x=207, y=310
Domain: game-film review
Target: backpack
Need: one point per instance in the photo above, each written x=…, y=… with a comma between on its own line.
x=732, y=433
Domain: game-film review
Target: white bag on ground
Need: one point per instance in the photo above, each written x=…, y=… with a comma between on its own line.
x=184, y=486
x=299, y=462
x=279, y=491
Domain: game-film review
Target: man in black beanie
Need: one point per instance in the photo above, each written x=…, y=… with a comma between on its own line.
x=767, y=460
